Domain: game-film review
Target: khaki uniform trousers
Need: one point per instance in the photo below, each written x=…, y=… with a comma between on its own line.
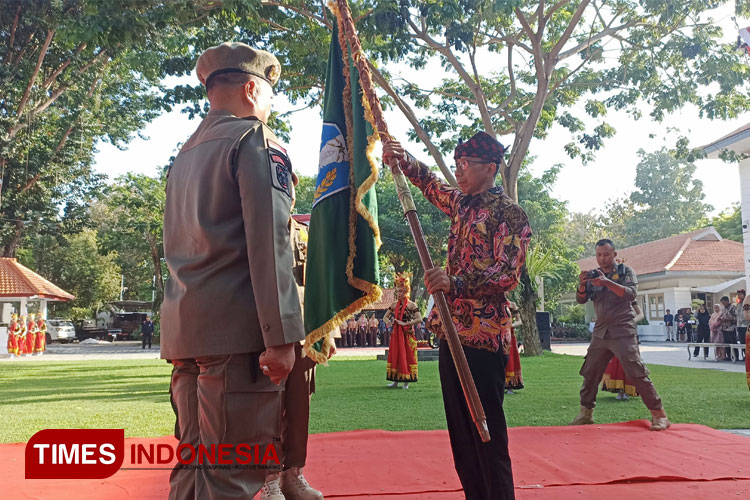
x=223, y=400
x=299, y=386
x=626, y=350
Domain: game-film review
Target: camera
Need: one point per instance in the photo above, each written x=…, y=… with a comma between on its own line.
x=594, y=273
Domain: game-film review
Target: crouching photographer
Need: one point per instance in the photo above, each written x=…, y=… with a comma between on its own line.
x=612, y=288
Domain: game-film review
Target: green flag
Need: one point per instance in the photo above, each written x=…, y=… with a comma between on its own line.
x=342, y=254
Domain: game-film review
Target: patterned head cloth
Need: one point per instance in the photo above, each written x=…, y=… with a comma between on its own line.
x=403, y=280
x=742, y=291
x=482, y=145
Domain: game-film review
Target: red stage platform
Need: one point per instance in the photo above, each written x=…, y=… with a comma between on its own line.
x=612, y=461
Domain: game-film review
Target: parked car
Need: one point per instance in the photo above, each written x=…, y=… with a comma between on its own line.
x=60, y=330
x=87, y=329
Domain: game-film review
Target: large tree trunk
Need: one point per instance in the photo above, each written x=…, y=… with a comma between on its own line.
x=527, y=309
x=10, y=248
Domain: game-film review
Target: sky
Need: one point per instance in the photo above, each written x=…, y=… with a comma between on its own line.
x=584, y=187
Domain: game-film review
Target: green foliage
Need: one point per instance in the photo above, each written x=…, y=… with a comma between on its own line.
x=667, y=199
x=550, y=257
x=79, y=269
x=73, y=73
x=575, y=313
x=77, y=313
x=515, y=68
x=305, y=192
x=398, y=245
x=728, y=223
x=129, y=219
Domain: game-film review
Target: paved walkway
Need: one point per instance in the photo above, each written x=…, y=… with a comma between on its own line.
x=126, y=349
x=656, y=353
x=662, y=353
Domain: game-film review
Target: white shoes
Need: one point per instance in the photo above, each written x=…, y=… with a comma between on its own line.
x=272, y=488
x=295, y=487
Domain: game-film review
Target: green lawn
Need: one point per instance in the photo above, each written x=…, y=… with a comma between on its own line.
x=351, y=394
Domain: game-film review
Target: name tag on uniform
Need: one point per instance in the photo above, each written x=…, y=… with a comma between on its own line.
x=281, y=167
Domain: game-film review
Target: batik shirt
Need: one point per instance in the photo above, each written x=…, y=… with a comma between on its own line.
x=487, y=247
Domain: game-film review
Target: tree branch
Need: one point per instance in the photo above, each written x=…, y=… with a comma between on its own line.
x=414, y=121
x=22, y=52
x=13, y=34
x=40, y=60
x=555, y=7
x=474, y=86
x=569, y=30
x=602, y=34
x=501, y=107
x=298, y=10
x=62, y=67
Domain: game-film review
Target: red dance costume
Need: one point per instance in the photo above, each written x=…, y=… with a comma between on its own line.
x=40, y=343
x=513, y=377
x=14, y=332
x=402, y=351
x=30, y=337
x=614, y=379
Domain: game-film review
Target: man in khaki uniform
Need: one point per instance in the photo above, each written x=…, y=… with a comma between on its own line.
x=612, y=289
x=291, y=484
x=231, y=314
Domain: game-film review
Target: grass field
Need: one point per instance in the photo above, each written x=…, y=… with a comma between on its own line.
x=351, y=394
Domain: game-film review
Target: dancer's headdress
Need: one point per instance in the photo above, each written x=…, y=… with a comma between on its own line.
x=403, y=280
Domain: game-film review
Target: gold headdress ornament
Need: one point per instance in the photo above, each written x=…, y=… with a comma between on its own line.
x=403, y=280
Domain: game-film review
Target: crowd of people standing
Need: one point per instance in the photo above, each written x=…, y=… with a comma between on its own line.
x=724, y=324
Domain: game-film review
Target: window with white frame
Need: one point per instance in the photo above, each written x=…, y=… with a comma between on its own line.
x=656, y=306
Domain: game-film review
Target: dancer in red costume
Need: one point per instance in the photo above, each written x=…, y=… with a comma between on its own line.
x=31, y=330
x=14, y=332
x=513, y=377
x=40, y=343
x=22, y=336
x=402, y=352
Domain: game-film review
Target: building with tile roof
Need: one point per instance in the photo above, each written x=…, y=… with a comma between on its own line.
x=674, y=271
x=18, y=281
x=19, y=285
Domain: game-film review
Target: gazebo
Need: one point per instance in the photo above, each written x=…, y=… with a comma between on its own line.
x=19, y=285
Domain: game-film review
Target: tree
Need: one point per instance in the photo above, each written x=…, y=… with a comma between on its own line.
x=728, y=223
x=583, y=230
x=80, y=269
x=72, y=72
x=132, y=225
x=514, y=68
x=549, y=256
x=667, y=199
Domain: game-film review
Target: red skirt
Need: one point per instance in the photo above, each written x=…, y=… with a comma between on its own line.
x=402, y=356
x=614, y=379
x=513, y=377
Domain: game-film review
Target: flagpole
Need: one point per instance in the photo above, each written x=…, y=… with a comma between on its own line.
x=410, y=211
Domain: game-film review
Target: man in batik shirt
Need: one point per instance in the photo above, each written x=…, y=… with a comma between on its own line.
x=487, y=246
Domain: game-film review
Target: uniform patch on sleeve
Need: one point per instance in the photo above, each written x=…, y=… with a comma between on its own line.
x=281, y=167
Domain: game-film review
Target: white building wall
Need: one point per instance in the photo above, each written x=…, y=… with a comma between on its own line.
x=745, y=211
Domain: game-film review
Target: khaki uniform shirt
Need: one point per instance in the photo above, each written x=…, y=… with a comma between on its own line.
x=227, y=243
x=614, y=315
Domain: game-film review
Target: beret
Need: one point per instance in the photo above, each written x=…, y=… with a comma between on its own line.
x=237, y=57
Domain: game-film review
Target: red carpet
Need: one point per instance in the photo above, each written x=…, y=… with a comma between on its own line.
x=613, y=461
